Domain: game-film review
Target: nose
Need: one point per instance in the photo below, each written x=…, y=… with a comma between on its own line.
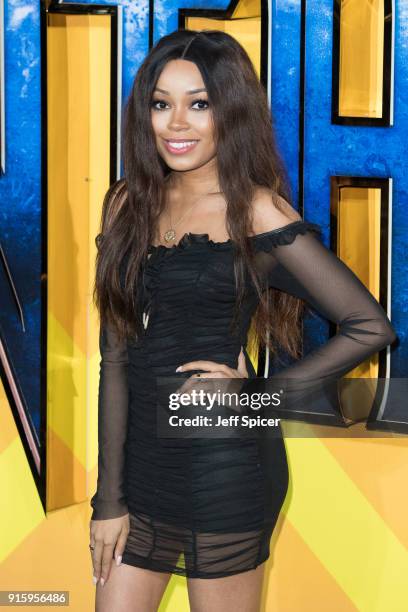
x=178, y=120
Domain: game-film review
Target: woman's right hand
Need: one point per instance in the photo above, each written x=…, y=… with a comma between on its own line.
x=106, y=536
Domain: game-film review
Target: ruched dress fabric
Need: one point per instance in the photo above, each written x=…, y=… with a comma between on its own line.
x=200, y=507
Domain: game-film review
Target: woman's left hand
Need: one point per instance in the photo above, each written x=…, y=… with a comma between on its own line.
x=212, y=369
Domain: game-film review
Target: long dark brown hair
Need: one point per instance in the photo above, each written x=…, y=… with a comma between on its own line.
x=247, y=158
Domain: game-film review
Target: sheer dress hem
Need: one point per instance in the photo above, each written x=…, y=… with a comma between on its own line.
x=196, y=560
x=138, y=561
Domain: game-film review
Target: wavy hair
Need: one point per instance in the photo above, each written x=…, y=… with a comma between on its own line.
x=247, y=158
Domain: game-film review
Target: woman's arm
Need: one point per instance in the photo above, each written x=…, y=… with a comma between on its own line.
x=294, y=260
x=109, y=500
x=297, y=262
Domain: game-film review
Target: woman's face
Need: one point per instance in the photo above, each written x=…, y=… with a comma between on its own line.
x=181, y=117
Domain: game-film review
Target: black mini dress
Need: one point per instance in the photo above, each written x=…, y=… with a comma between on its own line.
x=202, y=507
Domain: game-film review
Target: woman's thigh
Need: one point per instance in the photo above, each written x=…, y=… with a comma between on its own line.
x=131, y=589
x=240, y=592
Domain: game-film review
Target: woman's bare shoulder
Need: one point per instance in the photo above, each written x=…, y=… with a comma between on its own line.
x=266, y=215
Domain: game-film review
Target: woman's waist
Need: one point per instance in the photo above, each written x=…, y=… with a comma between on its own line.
x=147, y=371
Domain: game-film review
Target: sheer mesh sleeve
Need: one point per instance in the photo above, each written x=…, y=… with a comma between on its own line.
x=109, y=500
x=293, y=259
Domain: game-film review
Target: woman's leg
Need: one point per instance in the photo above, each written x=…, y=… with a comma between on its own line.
x=131, y=589
x=240, y=592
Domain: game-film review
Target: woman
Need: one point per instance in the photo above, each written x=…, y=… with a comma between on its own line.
x=198, y=239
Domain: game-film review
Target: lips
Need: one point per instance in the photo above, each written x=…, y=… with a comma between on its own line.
x=178, y=147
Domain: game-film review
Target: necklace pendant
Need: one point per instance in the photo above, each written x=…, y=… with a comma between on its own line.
x=170, y=235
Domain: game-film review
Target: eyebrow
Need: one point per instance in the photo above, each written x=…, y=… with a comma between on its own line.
x=190, y=92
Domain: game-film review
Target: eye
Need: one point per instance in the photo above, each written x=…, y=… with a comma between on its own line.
x=201, y=101
x=154, y=102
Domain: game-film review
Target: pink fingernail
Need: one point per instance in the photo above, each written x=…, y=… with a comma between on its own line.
x=103, y=581
x=179, y=369
x=119, y=560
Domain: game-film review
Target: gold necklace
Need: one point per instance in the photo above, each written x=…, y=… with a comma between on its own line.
x=170, y=234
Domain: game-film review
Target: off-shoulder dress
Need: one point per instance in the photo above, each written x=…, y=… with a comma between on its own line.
x=208, y=508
